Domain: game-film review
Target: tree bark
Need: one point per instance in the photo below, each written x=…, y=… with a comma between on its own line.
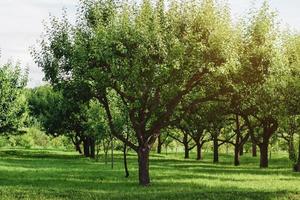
x=292, y=150
x=112, y=150
x=236, y=155
x=297, y=165
x=92, y=147
x=159, y=144
x=78, y=148
x=254, y=150
x=299, y=151
x=86, y=147
x=143, y=160
x=186, y=146
x=199, y=151
x=264, y=161
x=216, y=150
x=241, y=150
x=125, y=160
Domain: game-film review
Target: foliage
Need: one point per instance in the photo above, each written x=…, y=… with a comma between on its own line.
x=13, y=103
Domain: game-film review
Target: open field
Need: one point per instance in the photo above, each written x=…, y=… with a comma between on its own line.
x=40, y=174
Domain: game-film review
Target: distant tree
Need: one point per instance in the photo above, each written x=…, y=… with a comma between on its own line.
x=257, y=98
x=59, y=115
x=13, y=105
x=181, y=135
x=217, y=121
x=291, y=95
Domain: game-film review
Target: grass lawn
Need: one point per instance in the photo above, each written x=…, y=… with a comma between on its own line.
x=41, y=174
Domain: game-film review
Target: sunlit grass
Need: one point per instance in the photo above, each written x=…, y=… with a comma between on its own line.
x=42, y=174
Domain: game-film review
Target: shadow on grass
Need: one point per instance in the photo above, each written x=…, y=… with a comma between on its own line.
x=47, y=175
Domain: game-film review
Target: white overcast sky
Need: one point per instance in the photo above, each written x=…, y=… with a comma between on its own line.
x=21, y=25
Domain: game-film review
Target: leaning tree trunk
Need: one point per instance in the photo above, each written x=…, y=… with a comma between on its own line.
x=159, y=144
x=264, y=161
x=199, y=151
x=216, y=150
x=143, y=160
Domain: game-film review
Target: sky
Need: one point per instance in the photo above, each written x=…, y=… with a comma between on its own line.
x=21, y=24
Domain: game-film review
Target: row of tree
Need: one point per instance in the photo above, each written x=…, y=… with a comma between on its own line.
x=169, y=69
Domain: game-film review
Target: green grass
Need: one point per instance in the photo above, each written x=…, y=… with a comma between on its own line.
x=40, y=174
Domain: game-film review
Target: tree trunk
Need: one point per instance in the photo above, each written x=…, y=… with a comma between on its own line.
x=299, y=151
x=264, y=161
x=77, y=147
x=292, y=150
x=186, y=146
x=159, y=144
x=242, y=150
x=125, y=160
x=112, y=151
x=254, y=150
x=199, y=151
x=236, y=155
x=297, y=165
x=106, y=156
x=216, y=150
x=86, y=147
x=92, y=147
x=186, y=151
x=143, y=159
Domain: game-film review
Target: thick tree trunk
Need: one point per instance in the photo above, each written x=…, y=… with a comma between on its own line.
x=236, y=155
x=86, y=147
x=242, y=150
x=254, y=150
x=92, y=147
x=186, y=151
x=159, y=144
x=216, y=150
x=125, y=160
x=199, y=151
x=264, y=161
x=143, y=159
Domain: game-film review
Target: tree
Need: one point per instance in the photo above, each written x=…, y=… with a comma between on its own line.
x=13, y=105
x=153, y=58
x=241, y=137
x=60, y=115
x=195, y=124
x=257, y=98
x=291, y=92
x=182, y=136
